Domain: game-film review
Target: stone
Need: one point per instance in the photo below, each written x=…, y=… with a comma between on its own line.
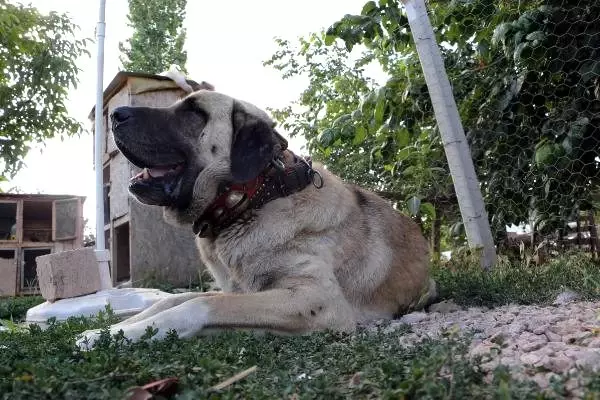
x=552, y=337
x=483, y=350
x=566, y=297
x=68, y=274
x=445, y=307
x=559, y=364
x=565, y=327
x=541, y=380
x=528, y=342
x=576, y=338
x=588, y=361
x=489, y=366
x=509, y=361
x=413, y=318
x=530, y=358
x=572, y=384
x=532, y=346
x=499, y=338
x=540, y=329
x=516, y=328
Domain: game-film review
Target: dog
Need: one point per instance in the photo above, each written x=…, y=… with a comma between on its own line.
x=292, y=247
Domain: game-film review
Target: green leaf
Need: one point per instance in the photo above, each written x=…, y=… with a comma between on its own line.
x=578, y=128
x=360, y=134
x=547, y=188
x=567, y=145
x=342, y=120
x=457, y=229
x=414, y=205
x=544, y=153
x=404, y=153
x=500, y=32
x=408, y=171
x=589, y=70
x=379, y=111
x=368, y=8
x=402, y=138
x=428, y=209
x=327, y=137
x=523, y=50
x=537, y=35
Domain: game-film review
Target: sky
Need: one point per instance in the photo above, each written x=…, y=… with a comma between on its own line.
x=227, y=42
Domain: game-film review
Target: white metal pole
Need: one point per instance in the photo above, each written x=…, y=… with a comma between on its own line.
x=466, y=185
x=101, y=253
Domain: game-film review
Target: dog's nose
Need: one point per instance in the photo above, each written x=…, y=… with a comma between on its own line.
x=120, y=115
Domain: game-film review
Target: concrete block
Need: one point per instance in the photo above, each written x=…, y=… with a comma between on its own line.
x=8, y=277
x=68, y=274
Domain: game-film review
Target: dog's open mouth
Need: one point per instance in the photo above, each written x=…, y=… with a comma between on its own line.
x=147, y=174
x=158, y=185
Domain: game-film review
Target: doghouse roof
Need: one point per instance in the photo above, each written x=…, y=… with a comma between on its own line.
x=122, y=77
x=38, y=196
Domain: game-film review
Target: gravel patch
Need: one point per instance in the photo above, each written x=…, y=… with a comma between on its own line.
x=538, y=343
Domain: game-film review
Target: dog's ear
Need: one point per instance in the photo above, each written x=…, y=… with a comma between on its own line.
x=201, y=86
x=253, y=145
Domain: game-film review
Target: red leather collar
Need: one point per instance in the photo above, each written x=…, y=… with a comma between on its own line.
x=237, y=201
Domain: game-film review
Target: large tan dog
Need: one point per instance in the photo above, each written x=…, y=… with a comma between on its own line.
x=293, y=248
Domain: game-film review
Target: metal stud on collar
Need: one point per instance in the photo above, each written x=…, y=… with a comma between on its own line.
x=234, y=198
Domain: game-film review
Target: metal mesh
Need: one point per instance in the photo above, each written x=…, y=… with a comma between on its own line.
x=526, y=79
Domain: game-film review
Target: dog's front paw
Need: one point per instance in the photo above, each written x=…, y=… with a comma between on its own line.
x=88, y=339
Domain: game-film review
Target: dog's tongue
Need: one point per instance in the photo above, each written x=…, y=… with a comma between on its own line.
x=158, y=172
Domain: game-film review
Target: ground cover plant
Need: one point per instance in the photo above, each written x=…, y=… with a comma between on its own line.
x=44, y=364
x=371, y=363
x=14, y=308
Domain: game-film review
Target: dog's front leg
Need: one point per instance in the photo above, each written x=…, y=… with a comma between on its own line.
x=286, y=310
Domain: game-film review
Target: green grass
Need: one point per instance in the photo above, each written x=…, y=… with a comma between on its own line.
x=465, y=282
x=38, y=364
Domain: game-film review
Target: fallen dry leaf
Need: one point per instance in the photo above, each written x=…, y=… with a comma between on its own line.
x=164, y=387
x=355, y=380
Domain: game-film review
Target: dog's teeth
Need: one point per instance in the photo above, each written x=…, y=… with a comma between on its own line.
x=146, y=174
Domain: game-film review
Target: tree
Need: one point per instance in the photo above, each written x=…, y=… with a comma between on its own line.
x=526, y=78
x=158, y=36
x=341, y=114
x=38, y=55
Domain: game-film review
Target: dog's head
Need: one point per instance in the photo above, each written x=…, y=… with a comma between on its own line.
x=189, y=150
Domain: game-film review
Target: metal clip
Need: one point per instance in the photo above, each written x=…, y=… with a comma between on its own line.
x=318, y=183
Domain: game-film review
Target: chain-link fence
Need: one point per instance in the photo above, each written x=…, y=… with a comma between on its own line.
x=526, y=78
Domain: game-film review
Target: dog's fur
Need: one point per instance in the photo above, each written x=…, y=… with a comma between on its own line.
x=318, y=259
